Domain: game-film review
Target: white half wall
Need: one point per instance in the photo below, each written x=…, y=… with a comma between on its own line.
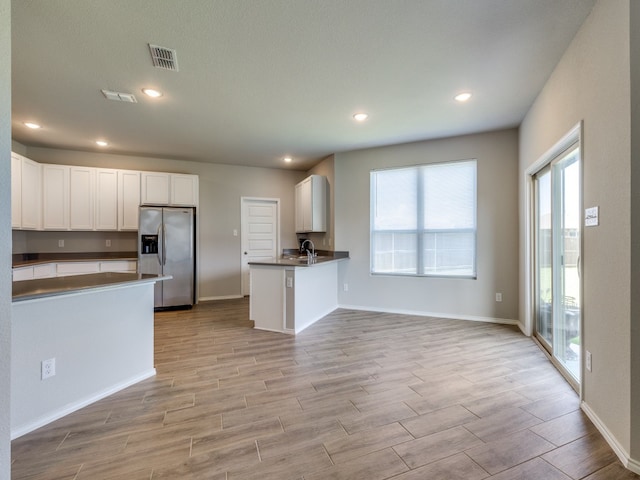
x=102, y=342
x=497, y=242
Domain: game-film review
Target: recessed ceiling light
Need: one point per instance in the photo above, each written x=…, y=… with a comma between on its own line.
x=462, y=97
x=151, y=92
x=32, y=125
x=101, y=143
x=288, y=159
x=360, y=117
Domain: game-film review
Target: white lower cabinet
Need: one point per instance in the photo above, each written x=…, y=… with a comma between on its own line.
x=46, y=270
x=127, y=266
x=22, y=273
x=77, y=268
x=63, y=269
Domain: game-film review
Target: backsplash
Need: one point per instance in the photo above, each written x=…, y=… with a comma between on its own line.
x=77, y=242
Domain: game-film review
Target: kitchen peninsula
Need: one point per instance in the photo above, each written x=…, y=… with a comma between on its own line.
x=290, y=293
x=75, y=340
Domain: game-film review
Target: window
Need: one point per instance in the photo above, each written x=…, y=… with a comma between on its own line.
x=423, y=220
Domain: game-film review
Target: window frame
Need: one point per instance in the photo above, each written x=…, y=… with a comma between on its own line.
x=420, y=231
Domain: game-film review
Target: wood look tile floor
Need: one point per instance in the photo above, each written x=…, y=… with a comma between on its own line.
x=356, y=396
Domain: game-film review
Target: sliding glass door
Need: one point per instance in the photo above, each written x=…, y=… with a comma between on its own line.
x=557, y=262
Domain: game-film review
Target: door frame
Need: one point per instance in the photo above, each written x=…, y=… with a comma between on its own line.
x=576, y=134
x=244, y=289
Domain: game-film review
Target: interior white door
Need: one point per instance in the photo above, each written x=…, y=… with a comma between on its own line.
x=260, y=234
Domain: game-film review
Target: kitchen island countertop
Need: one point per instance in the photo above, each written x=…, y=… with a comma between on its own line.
x=49, y=287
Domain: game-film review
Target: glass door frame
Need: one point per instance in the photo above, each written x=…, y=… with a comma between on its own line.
x=575, y=135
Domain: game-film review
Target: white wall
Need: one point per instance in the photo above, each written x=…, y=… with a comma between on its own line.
x=592, y=83
x=5, y=235
x=635, y=229
x=497, y=251
x=221, y=187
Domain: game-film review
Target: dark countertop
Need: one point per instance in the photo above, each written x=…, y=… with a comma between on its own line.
x=292, y=258
x=26, y=259
x=49, y=287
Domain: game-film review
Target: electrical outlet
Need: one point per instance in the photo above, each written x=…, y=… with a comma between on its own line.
x=107, y=243
x=289, y=282
x=345, y=287
x=498, y=297
x=48, y=368
x=587, y=359
x=60, y=243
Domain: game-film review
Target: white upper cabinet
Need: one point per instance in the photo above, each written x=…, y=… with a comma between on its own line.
x=168, y=189
x=61, y=197
x=55, y=197
x=128, y=199
x=184, y=190
x=106, y=198
x=81, y=210
x=311, y=205
x=31, y=195
x=154, y=188
x=16, y=190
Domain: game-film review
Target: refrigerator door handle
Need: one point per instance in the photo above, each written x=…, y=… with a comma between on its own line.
x=164, y=247
x=160, y=251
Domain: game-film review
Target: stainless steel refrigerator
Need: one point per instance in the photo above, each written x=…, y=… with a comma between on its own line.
x=167, y=247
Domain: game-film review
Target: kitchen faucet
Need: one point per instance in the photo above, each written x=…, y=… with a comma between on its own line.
x=310, y=254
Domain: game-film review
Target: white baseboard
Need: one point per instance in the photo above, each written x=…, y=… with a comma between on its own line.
x=472, y=318
x=618, y=449
x=72, y=407
x=223, y=297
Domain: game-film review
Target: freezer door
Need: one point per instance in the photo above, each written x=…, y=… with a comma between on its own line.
x=178, y=257
x=150, y=223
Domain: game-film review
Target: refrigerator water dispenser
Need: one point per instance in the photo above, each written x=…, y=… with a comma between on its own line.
x=149, y=244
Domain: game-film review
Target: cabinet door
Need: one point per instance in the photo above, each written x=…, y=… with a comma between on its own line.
x=55, y=197
x=16, y=191
x=129, y=266
x=154, y=188
x=298, y=207
x=184, y=190
x=76, y=268
x=31, y=194
x=46, y=270
x=81, y=198
x=318, y=201
x=307, y=206
x=128, y=199
x=22, y=273
x=106, y=198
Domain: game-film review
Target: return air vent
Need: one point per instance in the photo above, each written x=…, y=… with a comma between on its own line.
x=164, y=57
x=119, y=96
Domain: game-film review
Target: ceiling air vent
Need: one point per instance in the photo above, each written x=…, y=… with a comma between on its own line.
x=119, y=96
x=163, y=57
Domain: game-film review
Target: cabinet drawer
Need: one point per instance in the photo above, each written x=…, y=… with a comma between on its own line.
x=23, y=273
x=119, y=266
x=77, y=268
x=44, y=271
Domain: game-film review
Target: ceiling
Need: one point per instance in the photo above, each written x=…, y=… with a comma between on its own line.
x=262, y=79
